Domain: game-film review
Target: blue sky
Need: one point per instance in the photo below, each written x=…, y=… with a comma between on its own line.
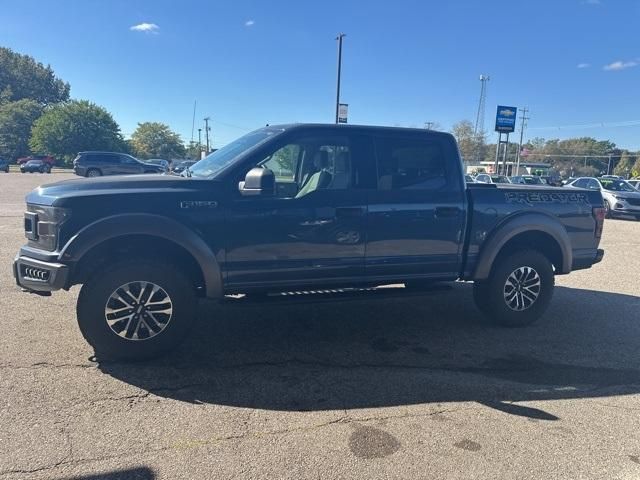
x=574, y=63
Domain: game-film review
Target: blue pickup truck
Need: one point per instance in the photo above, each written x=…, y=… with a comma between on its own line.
x=298, y=208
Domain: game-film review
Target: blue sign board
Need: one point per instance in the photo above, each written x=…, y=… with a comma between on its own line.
x=506, y=119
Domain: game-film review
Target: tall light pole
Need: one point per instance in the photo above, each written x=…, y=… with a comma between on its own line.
x=199, y=143
x=339, y=39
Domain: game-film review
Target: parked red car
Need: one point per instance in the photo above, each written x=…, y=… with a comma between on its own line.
x=48, y=159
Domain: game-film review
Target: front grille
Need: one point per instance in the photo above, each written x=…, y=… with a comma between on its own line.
x=633, y=201
x=34, y=273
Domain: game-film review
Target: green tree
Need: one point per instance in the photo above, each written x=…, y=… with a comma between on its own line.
x=584, y=156
x=68, y=128
x=16, y=119
x=624, y=166
x=156, y=140
x=635, y=170
x=22, y=77
x=467, y=141
x=193, y=151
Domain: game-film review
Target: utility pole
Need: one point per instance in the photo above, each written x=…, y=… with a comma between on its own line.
x=524, y=118
x=199, y=143
x=206, y=131
x=339, y=39
x=428, y=125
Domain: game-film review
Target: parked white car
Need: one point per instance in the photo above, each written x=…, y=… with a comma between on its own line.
x=486, y=178
x=620, y=198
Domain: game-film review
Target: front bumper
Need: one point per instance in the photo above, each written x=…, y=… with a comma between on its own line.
x=625, y=211
x=39, y=276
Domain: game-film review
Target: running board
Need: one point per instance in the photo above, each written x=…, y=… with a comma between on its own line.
x=333, y=295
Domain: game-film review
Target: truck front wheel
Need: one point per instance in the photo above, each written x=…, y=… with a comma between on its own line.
x=518, y=290
x=136, y=309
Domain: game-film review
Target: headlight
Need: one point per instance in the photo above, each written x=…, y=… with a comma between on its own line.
x=42, y=224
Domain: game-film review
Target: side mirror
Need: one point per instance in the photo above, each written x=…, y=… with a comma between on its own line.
x=258, y=182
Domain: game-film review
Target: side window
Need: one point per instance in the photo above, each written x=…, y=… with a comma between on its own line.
x=123, y=159
x=593, y=185
x=101, y=158
x=582, y=183
x=284, y=163
x=411, y=163
x=309, y=164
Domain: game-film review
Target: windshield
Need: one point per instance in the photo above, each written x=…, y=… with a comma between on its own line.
x=499, y=179
x=616, y=185
x=219, y=159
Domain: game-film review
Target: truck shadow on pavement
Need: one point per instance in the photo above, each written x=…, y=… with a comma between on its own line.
x=379, y=353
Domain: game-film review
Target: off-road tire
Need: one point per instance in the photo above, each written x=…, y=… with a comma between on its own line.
x=491, y=296
x=95, y=296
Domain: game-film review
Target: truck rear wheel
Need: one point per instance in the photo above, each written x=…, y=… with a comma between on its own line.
x=518, y=290
x=137, y=309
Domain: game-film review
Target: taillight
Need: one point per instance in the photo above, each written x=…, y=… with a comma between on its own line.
x=598, y=214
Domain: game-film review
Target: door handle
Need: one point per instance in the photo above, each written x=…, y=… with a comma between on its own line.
x=315, y=223
x=447, y=212
x=342, y=212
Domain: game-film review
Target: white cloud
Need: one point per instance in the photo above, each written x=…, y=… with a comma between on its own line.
x=249, y=23
x=620, y=65
x=583, y=65
x=145, y=27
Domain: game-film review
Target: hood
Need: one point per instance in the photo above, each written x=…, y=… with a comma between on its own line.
x=53, y=193
x=622, y=194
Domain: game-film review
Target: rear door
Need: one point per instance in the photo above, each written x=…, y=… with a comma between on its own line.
x=128, y=165
x=106, y=162
x=416, y=212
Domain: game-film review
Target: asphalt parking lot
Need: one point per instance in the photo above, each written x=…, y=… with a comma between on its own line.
x=405, y=388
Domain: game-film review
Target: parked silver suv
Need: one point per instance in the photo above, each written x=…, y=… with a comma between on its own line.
x=620, y=198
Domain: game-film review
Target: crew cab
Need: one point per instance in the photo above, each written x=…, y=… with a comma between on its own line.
x=298, y=208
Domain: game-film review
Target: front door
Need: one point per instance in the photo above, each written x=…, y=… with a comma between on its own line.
x=312, y=230
x=128, y=165
x=416, y=212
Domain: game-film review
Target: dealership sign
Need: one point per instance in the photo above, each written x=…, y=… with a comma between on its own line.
x=506, y=119
x=343, y=108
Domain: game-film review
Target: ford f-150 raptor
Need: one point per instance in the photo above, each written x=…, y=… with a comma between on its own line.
x=294, y=208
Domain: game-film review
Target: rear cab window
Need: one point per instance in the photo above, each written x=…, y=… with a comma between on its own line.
x=416, y=162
